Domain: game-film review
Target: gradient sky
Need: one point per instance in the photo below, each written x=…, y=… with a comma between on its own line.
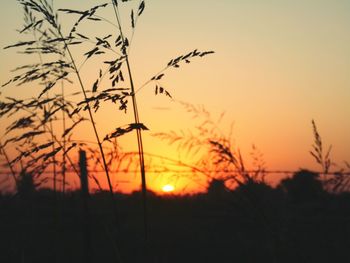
x=278, y=65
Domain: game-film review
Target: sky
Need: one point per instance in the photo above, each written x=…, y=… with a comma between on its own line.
x=277, y=65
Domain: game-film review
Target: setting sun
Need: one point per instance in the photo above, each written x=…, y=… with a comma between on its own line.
x=139, y=129
x=168, y=188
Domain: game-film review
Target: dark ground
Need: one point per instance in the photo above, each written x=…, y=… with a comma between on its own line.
x=254, y=223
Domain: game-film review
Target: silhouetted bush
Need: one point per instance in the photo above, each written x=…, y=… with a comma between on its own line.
x=217, y=189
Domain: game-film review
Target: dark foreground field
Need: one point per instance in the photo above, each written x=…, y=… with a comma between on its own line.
x=254, y=223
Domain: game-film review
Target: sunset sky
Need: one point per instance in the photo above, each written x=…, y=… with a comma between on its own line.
x=278, y=64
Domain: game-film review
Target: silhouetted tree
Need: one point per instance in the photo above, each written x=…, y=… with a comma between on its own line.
x=258, y=195
x=304, y=186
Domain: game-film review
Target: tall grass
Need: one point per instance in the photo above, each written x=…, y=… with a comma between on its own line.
x=334, y=181
x=223, y=164
x=59, y=64
x=214, y=150
x=134, y=105
x=323, y=159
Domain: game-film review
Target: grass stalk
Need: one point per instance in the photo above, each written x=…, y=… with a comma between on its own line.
x=137, y=121
x=64, y=143
x=105, y=166
x=51, y=126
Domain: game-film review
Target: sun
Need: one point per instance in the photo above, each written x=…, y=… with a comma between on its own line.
x=168, y=188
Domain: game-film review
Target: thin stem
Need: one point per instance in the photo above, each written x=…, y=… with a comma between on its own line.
x=133, y=31
x=106, y=20
x=138, y=131
x=64, y=139
x=94, y=128
x=91, y=118
x=53, y=158
x=150, y=80
x=51, y=125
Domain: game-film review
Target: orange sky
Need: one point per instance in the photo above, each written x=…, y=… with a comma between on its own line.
x=278, y=64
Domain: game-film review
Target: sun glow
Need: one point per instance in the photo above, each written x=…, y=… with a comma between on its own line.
x=168, y=188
